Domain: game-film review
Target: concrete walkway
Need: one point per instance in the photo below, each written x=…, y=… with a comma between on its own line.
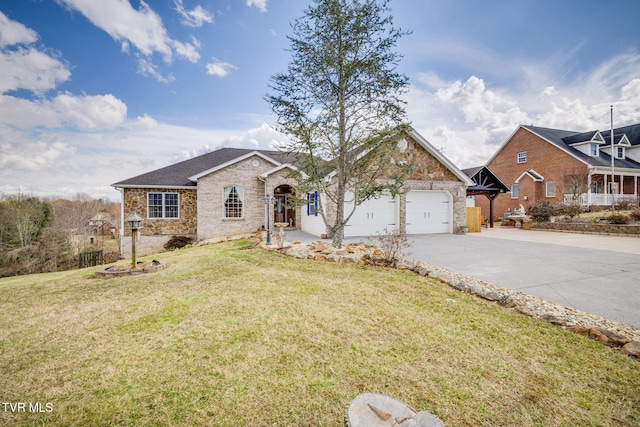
x=592, y=273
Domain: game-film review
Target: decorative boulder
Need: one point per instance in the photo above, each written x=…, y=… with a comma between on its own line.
x=373, y=410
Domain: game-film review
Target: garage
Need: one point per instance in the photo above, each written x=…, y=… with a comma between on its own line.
x=429, y=212
x=372, y=216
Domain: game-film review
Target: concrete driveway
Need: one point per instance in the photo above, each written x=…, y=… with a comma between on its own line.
x=592, y=273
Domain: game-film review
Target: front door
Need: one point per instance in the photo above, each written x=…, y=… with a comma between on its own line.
x=282, y=211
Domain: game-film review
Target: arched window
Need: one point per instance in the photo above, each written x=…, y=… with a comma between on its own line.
x=233, y=199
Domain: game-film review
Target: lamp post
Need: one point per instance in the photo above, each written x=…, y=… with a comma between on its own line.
x=268, y=200
x=134, y=221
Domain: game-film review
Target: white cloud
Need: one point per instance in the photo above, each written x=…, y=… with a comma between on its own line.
x=260, y=4
x=219, y=68
x=65, y=110
x=471, y=119
x=193, y=18
x=33, y=155
x=12, y=32
x=27, y=68
x=141, y=28
x=23, y=66
x=144, y=123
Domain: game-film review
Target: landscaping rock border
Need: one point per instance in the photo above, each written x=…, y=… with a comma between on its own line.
x=618, y=335
x=112, y=271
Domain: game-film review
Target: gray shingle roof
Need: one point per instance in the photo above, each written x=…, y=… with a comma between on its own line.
x=563, y=139
x=177, y=175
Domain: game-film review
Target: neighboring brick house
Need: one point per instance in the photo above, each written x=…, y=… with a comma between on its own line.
x=221, y=193
x=559, y=166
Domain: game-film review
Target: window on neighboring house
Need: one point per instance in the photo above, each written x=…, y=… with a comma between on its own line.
x=162, y=205
x=593, y=149
x=233, y=200
x=515, y=189
x=522, y=157
x=312, y=204
x=551, y=189
x=620, y=153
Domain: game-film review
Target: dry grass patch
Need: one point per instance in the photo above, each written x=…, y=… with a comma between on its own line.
x=230, y=335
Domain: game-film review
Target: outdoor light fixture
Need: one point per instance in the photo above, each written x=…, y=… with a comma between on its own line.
x=134, y=221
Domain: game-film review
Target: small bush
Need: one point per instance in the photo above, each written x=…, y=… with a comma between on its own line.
x=570, y=211
x=619, y=219
x=635, y=216
x=392, y=244
x=178, y=242
x=542, y=212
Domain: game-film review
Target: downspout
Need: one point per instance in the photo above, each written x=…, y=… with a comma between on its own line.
x=121, y=231
x=264, y=221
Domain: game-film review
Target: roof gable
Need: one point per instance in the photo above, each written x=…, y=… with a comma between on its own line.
x=440, y=157
x=232, y=162
x=484, y=180
x=180, y=175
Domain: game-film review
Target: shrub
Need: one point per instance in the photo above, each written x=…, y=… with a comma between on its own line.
x=542, y=212
x=177, y=242
x=635, y=215
x=619, y=219
x=568, y=210
x=392, y=244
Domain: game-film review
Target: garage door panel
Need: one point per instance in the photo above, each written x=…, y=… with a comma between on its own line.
x=371, y=216
x=428, y=212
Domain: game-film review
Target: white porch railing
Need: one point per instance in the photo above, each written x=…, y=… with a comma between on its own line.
x=594, y=199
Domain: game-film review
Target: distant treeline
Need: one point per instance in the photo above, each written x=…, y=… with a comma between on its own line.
x=44, y=235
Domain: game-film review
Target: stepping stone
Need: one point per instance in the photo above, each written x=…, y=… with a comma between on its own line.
x=376, y=410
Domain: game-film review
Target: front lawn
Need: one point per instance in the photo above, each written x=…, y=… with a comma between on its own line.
x=229, y=335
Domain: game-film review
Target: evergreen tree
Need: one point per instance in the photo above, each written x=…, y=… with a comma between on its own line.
x=339, y=103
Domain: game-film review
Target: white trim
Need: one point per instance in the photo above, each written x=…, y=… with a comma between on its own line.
x=231, y=162
x=158, y=187
x=164, y=205
x=279, y=168
x=532, y=174
x=522, y=157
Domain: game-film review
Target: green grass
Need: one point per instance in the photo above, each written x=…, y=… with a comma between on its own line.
x=233, y=336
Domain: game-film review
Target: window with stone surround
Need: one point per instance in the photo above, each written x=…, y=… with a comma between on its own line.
x=233, y=199
x=162, y=205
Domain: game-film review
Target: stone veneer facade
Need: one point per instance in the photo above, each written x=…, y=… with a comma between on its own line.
x=202, y=209
x=430, y=174
x=135, y=200
x=245, y=174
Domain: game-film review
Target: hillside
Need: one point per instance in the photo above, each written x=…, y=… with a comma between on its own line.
x=229, y=335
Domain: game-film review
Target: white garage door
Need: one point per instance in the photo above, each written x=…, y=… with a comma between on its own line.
x=372, y=216
x=429, y=212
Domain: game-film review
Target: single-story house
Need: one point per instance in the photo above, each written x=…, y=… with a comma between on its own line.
x=222, y=193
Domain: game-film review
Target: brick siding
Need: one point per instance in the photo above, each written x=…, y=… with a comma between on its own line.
x=546, y=159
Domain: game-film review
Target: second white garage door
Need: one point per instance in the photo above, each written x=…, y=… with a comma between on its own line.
x=372, y=216
x=429, y=212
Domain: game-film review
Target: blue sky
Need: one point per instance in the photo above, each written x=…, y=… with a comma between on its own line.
x=94, y=92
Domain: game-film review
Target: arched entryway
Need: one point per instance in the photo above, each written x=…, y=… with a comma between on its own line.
x=282, y=210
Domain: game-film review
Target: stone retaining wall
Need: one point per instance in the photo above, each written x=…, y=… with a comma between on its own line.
x=585, y=228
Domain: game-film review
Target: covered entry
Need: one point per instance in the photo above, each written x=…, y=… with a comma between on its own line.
x=282, y=210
